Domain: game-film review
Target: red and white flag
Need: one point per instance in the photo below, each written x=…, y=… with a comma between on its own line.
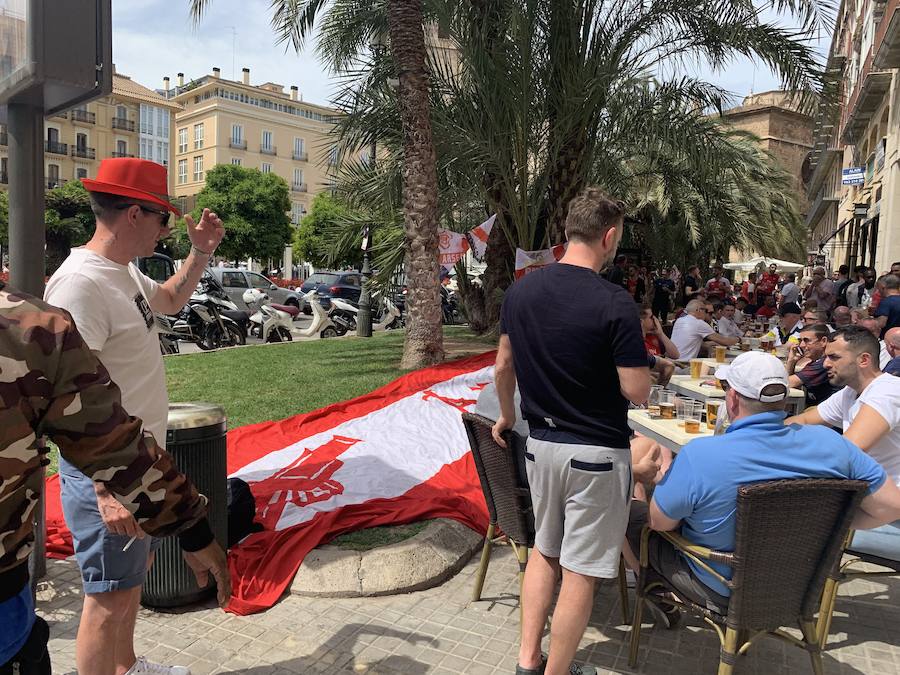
x=529, y=261
x=452, y=246
x=397, y=455
x=478, y=237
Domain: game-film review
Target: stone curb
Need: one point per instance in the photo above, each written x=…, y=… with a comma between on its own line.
x=423, y=561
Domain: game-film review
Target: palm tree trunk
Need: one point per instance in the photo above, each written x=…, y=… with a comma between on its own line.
x=424, y=333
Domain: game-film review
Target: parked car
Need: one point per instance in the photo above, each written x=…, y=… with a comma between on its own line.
x=236, y=281
x=343, y=285
x=158, y=267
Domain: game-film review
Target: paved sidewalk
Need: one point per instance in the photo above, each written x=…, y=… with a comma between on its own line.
x=441, y=631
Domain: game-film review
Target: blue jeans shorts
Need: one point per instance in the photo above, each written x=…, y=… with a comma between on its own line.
x=104, y=566
x=882, y=541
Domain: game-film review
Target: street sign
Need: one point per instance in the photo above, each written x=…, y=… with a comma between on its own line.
x=55, y=55
x=854, y=175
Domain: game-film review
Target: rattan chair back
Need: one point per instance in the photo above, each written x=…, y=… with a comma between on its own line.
x=789, y=535
x=508, y=500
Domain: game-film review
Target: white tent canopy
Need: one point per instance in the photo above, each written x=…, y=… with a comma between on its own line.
x=754, y=263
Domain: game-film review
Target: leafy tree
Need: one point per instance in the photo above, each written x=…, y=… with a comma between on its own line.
x=253, y=206
x=310, y=243
x=69, y=221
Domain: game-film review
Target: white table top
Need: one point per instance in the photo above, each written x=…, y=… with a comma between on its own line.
x=684, y=385
x=665, y=432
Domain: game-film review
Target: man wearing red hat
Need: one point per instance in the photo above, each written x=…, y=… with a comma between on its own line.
x=112, y=303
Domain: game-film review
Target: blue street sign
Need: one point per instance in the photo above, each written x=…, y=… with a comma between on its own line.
x=854, y=175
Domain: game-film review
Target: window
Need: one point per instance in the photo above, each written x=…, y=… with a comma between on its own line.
x=299, y=148
x=267, y=140
x=198, y=168
x=164, y=158
x=81, y=141
x=182, y=140
x=160, y=154
x=237, y=134
x=297, y=211
x=52, y=175
x=52, y=135
x=182, y=171
x=121, y=148
x=234, y=280
x=298, y=176
x=147, y=120
x=146, y=149
x=80, y=172
x=162, y=122
x=198, y=136
x=258, y=280
x=266, y=167
x=121, y=112
x=236, y=161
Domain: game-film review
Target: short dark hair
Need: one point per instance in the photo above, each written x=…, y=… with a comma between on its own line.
x=820, y=329
x=741, y=298
x=591, y=214
x=104, y=203
x=843, y=269
x=860, y=341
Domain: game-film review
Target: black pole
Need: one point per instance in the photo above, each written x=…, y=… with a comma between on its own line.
x=26, y=246
x=364, y=318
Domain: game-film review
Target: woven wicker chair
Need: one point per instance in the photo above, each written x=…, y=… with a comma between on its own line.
x=843, y=572
x=508, y=500
x=788, y=538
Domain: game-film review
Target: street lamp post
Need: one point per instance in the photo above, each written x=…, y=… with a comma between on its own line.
x=364, y=318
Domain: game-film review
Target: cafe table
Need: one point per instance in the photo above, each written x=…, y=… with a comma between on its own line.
x=684, y=385
x=667, y=433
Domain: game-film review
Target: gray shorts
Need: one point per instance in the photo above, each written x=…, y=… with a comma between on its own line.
x=581, y=495
x=104, y=565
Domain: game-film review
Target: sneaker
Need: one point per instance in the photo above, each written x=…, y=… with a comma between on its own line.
x=533, y=671
x=582, y=669
x=664, y=614
x=144, y=667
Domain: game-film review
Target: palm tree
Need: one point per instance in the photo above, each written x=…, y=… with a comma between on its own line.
x=293, y=20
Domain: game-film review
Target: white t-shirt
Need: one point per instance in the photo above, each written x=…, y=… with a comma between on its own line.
x=727, y=327
x=110, y=305
x=883, y=396
x=790, y=292
x=688, y=334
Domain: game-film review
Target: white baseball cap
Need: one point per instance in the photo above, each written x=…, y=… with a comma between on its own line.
x=751, y=372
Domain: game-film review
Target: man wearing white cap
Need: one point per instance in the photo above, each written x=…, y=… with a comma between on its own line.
x=699, y=493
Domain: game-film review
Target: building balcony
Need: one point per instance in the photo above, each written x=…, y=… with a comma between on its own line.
x=824, y=200
x=874, y=85
x=63, y=115
x=56, y=148
x=55, y=182
x=237, y=144
x=84, y=153
x=887, y=37
x=299, y=187
x=122, y=123
x=301, y=156
x=121, y=154
x=268, y=150
x=84, y=116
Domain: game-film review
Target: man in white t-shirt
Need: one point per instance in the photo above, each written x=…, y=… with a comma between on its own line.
x=867, y=409
x=112, y=303
x=692, y=329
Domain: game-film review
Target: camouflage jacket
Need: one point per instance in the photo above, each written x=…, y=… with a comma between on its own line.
x=52, y=385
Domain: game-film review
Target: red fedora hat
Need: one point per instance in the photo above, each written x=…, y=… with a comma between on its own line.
x=136, y=178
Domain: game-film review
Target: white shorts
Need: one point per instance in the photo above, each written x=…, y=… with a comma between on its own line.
x=581, y=496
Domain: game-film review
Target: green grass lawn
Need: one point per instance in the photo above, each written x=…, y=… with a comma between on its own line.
x=272, y=382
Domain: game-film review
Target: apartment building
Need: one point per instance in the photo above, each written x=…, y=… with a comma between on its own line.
x=133, y=121
x=854, y=180
x=223, y=121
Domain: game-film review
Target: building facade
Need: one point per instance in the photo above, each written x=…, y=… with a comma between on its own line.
x=133, y=121
x=856, y=219
x=783, y=130
x=261, y=127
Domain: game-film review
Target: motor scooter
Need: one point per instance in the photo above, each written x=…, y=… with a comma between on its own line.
x=389, y=316
x=321, y=325
x=271, y=322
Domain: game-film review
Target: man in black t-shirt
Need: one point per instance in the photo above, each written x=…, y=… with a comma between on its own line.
x=812, y=376
x=573, y=341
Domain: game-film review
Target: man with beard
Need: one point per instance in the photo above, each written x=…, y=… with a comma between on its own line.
x=810, y=351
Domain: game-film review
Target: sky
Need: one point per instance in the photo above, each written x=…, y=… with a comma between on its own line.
x=154, y=38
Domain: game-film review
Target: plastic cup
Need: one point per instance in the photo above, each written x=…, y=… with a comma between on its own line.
x=667, y=405
x=696, y=368
x=720, y=353
x=712, y=414
x=683, y=406
x=694, y=418
x=745, y=344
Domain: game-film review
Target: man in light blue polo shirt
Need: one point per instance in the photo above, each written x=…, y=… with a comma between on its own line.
x=699, y=493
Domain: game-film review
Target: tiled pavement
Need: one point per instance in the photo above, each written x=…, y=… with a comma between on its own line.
x=441, y=631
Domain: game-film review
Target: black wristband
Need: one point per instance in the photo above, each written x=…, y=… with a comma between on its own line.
x=197, y=536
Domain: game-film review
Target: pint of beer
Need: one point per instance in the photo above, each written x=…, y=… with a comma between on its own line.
x=696, y=368
x=720, y=353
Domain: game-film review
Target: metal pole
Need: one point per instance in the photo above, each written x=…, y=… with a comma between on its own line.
x=26, y=246
x=364, y=319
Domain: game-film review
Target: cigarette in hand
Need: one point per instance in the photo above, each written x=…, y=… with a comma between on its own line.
x=130, y=542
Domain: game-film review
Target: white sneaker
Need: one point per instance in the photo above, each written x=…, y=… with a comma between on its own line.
x=144, y=667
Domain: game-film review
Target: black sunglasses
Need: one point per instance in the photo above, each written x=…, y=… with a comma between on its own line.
x=164, y=215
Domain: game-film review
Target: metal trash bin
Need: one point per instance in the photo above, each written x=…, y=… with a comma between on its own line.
x=196, y=440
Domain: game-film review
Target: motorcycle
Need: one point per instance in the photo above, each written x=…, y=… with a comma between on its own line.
x=321, y=325
x=201, y=322
x=344, y=315
x=271, y=322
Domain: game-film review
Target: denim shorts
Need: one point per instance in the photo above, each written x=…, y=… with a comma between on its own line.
x=104, y=566
x=883, y=541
